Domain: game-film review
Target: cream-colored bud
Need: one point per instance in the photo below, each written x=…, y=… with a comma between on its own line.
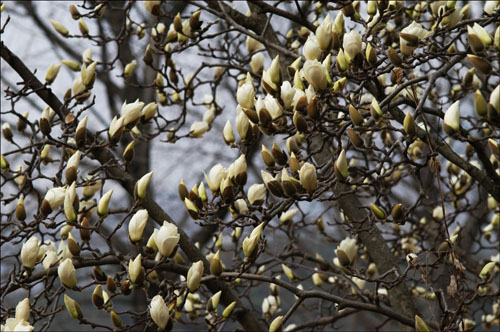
x=276, y=324
x=52, y=72
x=252, y=45
x=129, y=68
x=159, y=312
x=495, y=99
x=149, y=111
x=136, y=225
x=142, y=185
x=288, y=216
x=246, y=95
x=215, y=176
x=315, y=74
x=154, y=7
x=66, y=272
x=229, y=309
x=341, y=61
x=102, y=206
x=242, y=124
x=198, y=128
x=274, y=70
x=72, y=307
x=69, y=203
x=23, y=310
x=420, y=325
x=61, y=29
x=324, y=33
x=216, y=267
x=54, y=198
x=257, y=194
x=257, y=62
x=347, y=251
x=227, y=133
x=131, y=112
x=29, y=252
x=308, y=177
x=410, y=37
x=287, y=94
x=194, y=275
x=338, y=24
x=167, y=239
x=135, y=270
x=485, y=273
x=352, y=44
x=451, y=123
x=252, y=241
x=74, y=66
x=340, y=166
x=311, y=50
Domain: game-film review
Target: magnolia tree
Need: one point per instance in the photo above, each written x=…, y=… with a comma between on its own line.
x=365, y=180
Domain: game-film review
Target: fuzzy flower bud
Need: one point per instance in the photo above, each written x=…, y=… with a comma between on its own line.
x=194, y=276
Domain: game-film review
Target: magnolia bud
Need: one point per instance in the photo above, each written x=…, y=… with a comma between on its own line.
x=315, y=74
x=110, y=284
x=340, y=166
x=480, y=104
x=451, y=123
x=191, y=208
x=278, y=155
x=141, y=186
x=274, y=70
x=73, y=308
x=53, y=199
x=257, y=62
x=394, y=57
x=375, y=109
x=308, y=177
x=20, y=210
x=194, y=276
x=136, y=226
x=486, y=271
x=377, y=212
x=97, y=297
x=352, y=44
x=356, y=117
x=420, y=325
x=51, y=74
x=276, y=325
x=59, y=28
x=324, y=33
x=166, y=239
x=256, y=194
x=229, y=309
x=45, y=121
x=102, y=206
x=246, y=95
x=216, y=267
x=66, y=272
x=371, y=55
x=159, y=312
x=479, y=63
x=70, y=200
x=125, y=288
x=252, y=241
x=72, y=167
x=347, y=251
x=227, y=133
x=355, y=138
x=29, y=252
x=288, y=216
x=153, y=6
x=311, y=48
x=252, y=45
x=148, y=56
x=409, y=125
x=136, y=271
